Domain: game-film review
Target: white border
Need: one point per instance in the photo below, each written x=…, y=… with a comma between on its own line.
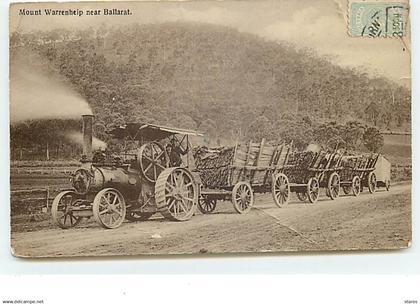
x=391, y=262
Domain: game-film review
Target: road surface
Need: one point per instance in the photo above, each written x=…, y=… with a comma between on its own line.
x=382, y=220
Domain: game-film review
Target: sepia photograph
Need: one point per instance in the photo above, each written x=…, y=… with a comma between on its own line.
x=209, y=127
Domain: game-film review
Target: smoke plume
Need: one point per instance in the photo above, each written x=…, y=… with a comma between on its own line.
x=39, y=94
x=77, y=138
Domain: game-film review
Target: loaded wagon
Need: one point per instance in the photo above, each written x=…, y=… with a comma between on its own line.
x=358, y=171
x=133, y=184
x=308, y=171
x=236, y=173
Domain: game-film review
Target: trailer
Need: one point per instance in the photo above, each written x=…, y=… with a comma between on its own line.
x=309, y=171
x=236, y=173
x=358, y=171
x=383, y=172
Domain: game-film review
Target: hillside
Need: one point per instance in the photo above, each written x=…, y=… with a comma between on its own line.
x=226, y=83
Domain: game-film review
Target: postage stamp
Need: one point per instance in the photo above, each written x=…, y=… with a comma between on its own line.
x=378, y=18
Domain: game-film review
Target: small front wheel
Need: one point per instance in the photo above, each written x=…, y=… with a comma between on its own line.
x=109, y=208
x=206, y=205
x=280, y=190
x=62, y=209
x=333, y=186
x=356, y=186
x=372, y=182
x=242, y=197
x=312, y=190
x=302, y=196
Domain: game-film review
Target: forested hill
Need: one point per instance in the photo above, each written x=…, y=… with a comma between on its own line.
x=213, y=78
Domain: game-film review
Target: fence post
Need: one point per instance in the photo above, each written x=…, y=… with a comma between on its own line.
x=47, y=197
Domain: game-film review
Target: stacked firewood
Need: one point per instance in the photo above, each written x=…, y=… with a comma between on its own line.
x=298, y=164
x=213, y=166
x=348, y=164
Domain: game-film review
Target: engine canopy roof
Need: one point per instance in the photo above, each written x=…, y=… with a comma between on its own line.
x=148, y=132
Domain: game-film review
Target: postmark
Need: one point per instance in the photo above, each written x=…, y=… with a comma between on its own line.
x=378, y=18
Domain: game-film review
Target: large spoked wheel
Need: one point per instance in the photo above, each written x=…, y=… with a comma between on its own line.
x=206, y=205
x=312, y=190
x=302, y=196
x=333, y=186
x=62, y=209
x=372, y=182
x=138, y=216
x=387, y=185
x=280, y=190
x=153, y=160
x=356, y=186
x=109, y=208
x=242, y=197
x=176, y=194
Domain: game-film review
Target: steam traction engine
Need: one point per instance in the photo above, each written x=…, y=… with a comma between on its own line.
x=134, y=185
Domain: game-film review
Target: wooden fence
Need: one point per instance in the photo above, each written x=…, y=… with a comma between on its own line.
x=30, y=201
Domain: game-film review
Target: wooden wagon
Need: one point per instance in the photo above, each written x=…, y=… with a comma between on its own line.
x=358, y=172
x=308, y=171
x=238, y=172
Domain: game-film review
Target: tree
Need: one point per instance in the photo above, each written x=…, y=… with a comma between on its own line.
x=373, y=139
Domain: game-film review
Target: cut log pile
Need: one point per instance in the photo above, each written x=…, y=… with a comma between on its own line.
x=213, y=165
x=351, y=164
x=251, y=162
x=298, y=164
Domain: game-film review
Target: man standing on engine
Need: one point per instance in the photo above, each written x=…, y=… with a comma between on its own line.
x=175, y=151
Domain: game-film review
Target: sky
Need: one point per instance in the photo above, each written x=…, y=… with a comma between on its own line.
x=317, y=24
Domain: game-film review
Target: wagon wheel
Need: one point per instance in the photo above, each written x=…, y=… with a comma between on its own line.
x=153, y=160
x=346, y=189
x=109, y=208
x=356, y=185
x=206, y=206
x=62, y=209
x=176, y=194
x=372, y=182
x=312, y=190
x=281, y=190
x=302, y=196
x=387, y=185
x=138, y=216
x=333, y=186
x=242, y=197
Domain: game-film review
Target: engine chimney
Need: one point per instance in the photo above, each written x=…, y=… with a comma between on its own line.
x=87, y=136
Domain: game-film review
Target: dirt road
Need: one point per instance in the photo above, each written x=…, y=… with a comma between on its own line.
x=369, y=221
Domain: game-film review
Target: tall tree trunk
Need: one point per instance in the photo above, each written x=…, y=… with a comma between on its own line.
x=48, y=152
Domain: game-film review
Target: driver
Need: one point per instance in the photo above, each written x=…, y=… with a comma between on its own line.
x=175, y=152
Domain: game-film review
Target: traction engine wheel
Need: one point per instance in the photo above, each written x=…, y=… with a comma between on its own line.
x=109, y=208
x=312, y=190
x=280, y=189
x=333, y=186
x=372, y=182
x=207, y=206
x=242, y=197
x=62, y=209
x=302, y=196
x=176, y=194
x=138, y=216
x=153, y=160
x=356, y=186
